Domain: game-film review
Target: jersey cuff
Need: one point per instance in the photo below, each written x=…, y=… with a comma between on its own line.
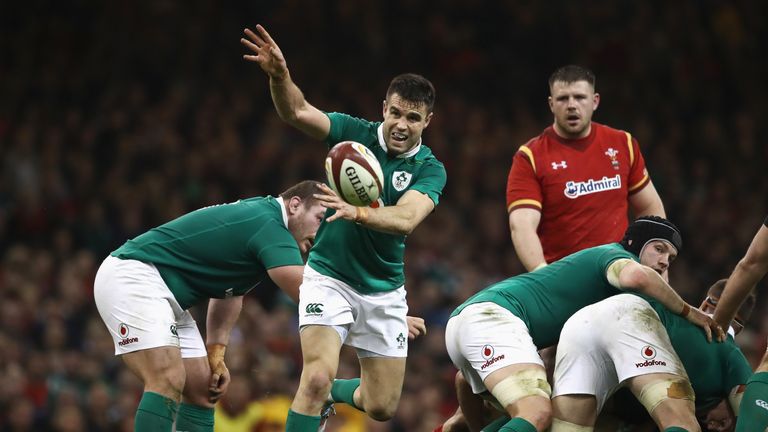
x=637, y=187
x=524, y=203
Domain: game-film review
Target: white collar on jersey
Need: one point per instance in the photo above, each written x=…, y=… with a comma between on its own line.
x=282, y=210
x=383, y=144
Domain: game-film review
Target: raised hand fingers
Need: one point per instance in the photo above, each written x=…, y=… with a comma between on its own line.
x=254, y=37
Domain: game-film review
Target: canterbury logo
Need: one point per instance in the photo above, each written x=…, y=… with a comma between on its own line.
x=762, y=404
x=314, y=308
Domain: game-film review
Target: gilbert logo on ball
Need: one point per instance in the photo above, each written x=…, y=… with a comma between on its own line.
x=354, y=173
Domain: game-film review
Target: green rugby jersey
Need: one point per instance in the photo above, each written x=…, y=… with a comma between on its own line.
x=218, y=251
x=714, y=368
x=544, y=299
x=372, y=261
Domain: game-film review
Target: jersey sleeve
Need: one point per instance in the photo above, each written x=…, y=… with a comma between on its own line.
x=638, y=174
x=605, y=259
x=523, y=188
x=737, y=370
x=431, y=181
x=274, y=246
x=345, y=127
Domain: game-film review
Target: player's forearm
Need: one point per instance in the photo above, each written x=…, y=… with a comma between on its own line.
x=528, y=249
x=287, y=98
x=645, y=280
x=744, y=277
x=222, y=316
x=397, y=219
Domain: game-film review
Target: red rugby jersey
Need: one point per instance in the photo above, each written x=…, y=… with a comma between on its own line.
x=580, y=186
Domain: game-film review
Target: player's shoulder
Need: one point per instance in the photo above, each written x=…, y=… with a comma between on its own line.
x=605, y=131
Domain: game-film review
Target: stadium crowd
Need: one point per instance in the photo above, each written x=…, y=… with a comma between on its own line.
x=116, y=117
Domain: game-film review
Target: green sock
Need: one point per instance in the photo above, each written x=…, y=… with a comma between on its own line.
x=301, y=423
x=518, y=424
x=193, y=418
x=497, y=424
x=675, y=429
x=155, y=413
x=344, y=391
x=753, y=414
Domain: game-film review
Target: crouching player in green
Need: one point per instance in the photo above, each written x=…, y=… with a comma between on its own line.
x=215, y=254
x=493, y=337
x=633, y=341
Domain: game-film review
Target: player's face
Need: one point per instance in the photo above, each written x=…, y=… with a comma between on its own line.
x=303, y=224
x=404, y=122
x=658, y=255
x=718, y=419
x=573, y=105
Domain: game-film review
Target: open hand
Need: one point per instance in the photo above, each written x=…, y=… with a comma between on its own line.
x=710, y=326
x=329, y=199
x=265, y=52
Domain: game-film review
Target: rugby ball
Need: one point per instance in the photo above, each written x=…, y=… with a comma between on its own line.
x=354, y=173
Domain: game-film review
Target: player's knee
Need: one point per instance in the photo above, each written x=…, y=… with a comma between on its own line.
x=317, y=384
x=380, y=411
x=540, y=417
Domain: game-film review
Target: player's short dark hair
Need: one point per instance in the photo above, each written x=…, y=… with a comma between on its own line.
x=304, y=190
x=571, y=74
x=413, y=88
x=745, y=310
x=649, y=228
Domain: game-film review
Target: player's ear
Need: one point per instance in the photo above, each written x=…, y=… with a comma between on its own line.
x=429, y=118
x=384, y=108
x=596, y=100
x=550, y=102
x=293, y=205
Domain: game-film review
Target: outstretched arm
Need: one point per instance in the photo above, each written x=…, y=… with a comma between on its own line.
x=288, y=99
x=745, y=276
x=626, y=274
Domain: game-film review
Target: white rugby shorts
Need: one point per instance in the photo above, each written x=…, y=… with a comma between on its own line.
x=375, y=324
x=604, y=344
x=140, y=311
x=486, y=337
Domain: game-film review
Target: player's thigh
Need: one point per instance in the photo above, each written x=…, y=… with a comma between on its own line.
x=668, y=398
x=381, y=382
x=136, y=306
x=320, y=346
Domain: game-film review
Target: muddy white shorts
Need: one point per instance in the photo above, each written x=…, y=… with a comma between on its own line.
x=604, y=344
x=375, y=324
x=486, y=337
x=140, y=311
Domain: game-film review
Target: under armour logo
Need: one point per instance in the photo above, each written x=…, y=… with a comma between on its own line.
x=314, y=308
x=556, y=165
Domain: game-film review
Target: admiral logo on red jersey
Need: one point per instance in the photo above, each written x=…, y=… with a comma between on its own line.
x=576, y=189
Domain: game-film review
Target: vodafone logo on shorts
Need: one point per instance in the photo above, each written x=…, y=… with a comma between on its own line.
x=123, y=330
x=649, y=354
x=487, y=352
